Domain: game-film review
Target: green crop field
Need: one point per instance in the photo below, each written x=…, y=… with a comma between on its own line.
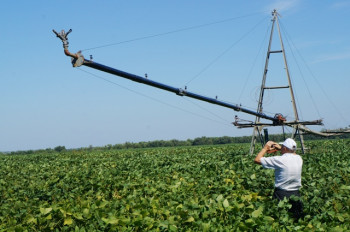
x=204, y=188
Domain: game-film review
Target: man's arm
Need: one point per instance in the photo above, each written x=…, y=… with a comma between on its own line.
x=268, y=146
x=260, y=155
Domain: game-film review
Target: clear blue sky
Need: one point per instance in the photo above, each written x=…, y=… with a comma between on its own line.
x=45, y=102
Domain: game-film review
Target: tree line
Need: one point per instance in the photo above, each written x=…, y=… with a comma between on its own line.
x=176, y=143
x=213, y=141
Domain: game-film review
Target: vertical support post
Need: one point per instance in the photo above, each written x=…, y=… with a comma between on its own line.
x=257, y=129
x=296, y=115
x=266, y=135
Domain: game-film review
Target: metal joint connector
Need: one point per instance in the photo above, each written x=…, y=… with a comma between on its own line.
x=181, y=92
x=77, y=58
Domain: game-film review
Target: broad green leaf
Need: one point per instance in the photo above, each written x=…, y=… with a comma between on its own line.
x=247, y=197
x=102, y=204
x=345, y=187
x=340, y=218
x=336, y=229
x=257, y=213
x=280, y=203
x=45, y=211
x=68, y=221
x=219, y=198
x=249, y=222
x=164, y=224
x=225, y=203
x=190, y=219
x=172, y=228
x=111, y=220
x=86, y=212
x=205, y=227
x=78, y=216
x=269, y=219
x=32, y=219
x=63, y=212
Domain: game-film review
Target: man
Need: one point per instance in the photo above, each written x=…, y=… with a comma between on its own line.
x=288, y=168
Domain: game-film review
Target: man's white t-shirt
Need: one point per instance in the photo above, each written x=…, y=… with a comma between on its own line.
x=287, y=170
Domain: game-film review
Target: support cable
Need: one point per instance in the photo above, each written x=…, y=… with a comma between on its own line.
x=254, y=62
x=224, y=52
x=151, y=98
x=206, y=110
x=289, y=42
x=172, y=32
x=320, y=86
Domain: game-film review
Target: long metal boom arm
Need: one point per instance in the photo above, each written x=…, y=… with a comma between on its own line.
x=178, y=91
x=78, y=60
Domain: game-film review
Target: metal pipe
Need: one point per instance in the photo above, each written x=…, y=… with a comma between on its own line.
x=178, y=91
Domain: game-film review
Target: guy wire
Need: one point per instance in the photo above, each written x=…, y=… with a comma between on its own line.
x=171, y=32
x=154, y=99
x=223, y=53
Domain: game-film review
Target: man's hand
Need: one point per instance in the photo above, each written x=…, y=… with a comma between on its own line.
x=272, y=146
